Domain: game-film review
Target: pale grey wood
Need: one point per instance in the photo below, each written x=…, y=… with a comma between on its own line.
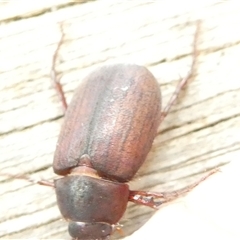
x=15, y=10
x=200, y=133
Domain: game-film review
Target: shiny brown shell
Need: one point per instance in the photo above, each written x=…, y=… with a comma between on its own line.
x=113, y=118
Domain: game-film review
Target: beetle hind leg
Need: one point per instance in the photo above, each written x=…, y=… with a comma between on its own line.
x=183, y=82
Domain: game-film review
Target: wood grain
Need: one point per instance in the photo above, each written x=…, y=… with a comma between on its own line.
x=200, y=133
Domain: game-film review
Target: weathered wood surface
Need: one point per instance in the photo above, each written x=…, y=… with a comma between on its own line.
x=201, y=132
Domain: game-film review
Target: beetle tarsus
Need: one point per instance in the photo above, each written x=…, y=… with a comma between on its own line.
x=54, y=74
x=183, y=82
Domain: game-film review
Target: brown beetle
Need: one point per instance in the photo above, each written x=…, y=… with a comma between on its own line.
x=108, y=131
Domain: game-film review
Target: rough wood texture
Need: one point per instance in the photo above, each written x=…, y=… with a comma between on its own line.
x=200, y=133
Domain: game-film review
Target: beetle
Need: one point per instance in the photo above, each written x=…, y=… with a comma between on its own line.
x=108, y=130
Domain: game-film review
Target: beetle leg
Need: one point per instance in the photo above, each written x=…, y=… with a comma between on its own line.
x=146, y=198
x=54, y=75
x=174, y=97
x=183, y=82
x=149, y=198
x=40, y=182
x=45, y=183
